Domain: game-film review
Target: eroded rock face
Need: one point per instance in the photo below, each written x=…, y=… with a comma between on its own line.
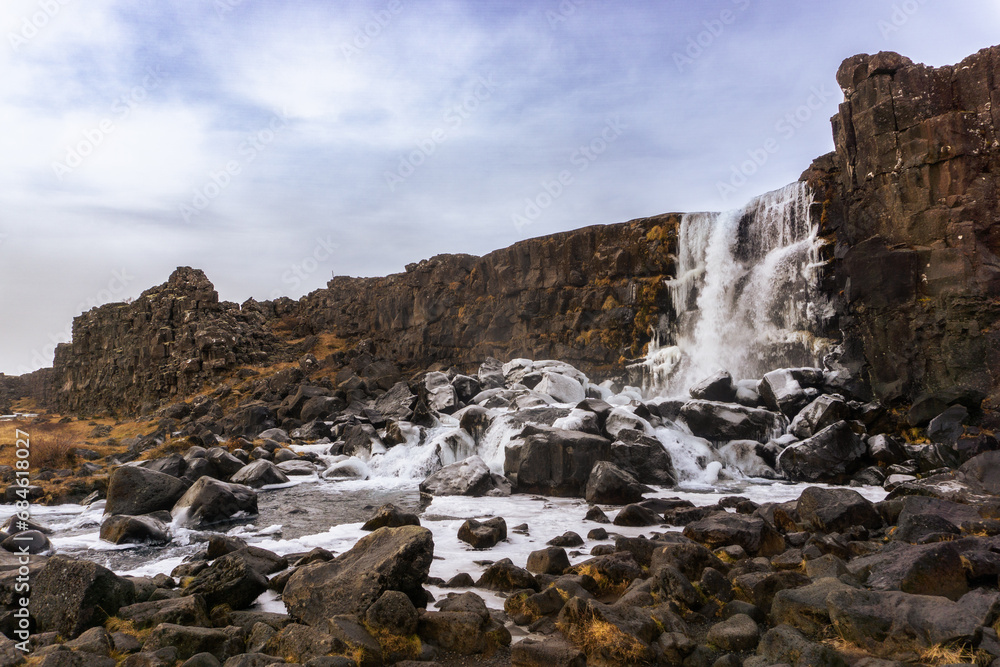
x=531, y=298
x=911, y=199
x=128, y=358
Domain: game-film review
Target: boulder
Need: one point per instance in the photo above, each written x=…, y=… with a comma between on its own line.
x=360, y=439
x=609, y=484
x=784, y=645
x=133, y=490
x=927, y=569
x=173, y=465
x=69, y=596
x=550, y=560
x=722, y=529
x=737, y=633
x=321, y=408
x=804, y=608
x=210, y=502
x=636, y=515
x=483, y=534
x=982, y=473
x=259, y=473
x=27, y=541
x=297, y=468
x=397, y=403
x=822, y=412
x=394, y=613
x=387, y=559
x=784, y=389
x=720, y=422
x=886, y=450
x=389, y=515
x=718, y=387
x=689, y=557
x=612, y=635
x=886, y=623
x=836, y=510
x=470, y=477
x=463, y=626
x=120, y=529
x=504, y=576
x=554, y=462
x=228, y=580
x=644, y=458
x=946, y=428
x=552, y=651
x=188, y=610
x=224, y=463
x=829, y=456
x=190, y=641
x=302, y=643
x=441, y=395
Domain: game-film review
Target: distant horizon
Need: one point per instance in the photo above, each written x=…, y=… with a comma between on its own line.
x=274, y=147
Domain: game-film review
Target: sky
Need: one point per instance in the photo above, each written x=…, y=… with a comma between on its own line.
x=276, y=143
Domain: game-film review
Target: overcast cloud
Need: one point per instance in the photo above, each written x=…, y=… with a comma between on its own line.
x=274, y=144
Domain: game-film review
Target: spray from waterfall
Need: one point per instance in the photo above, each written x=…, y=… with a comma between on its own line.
x=745, y=298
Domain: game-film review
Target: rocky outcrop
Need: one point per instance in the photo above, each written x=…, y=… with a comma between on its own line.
x=589, y=297
x=128, y=358
x=910, y=201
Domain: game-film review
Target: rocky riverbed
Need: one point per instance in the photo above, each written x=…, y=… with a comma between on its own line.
x=523, y=515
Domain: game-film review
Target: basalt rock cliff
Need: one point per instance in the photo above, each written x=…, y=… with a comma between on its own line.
x=174, y=339
x=909, y=205
x=911, y=194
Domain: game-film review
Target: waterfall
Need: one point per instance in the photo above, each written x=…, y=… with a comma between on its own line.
x=745, y=298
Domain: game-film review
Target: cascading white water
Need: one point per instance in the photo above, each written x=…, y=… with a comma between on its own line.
x=745, y=297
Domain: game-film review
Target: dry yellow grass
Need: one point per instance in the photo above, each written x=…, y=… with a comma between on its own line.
x=606, y=587
x=51, y=442
x=600, y=638
x=115, y=624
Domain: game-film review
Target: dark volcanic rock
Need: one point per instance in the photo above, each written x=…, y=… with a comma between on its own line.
x=390, y=516
x=483, y=534
x=830, y=455
x=609, y=484
x=729, y=421
x=388, y=559
x=718, y=387
x=229, y=580
x=836, y=510
x=69, y=596
x=135, y=490
x=469, y=477
x=886, y=623
x=258, y=474
x=210, y=501
x=554, y=462
x=753, y=533
x=134, y=530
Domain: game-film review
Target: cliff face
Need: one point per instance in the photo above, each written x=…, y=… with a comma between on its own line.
x=589, y=297
x=129, y=358
x=912, y=192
